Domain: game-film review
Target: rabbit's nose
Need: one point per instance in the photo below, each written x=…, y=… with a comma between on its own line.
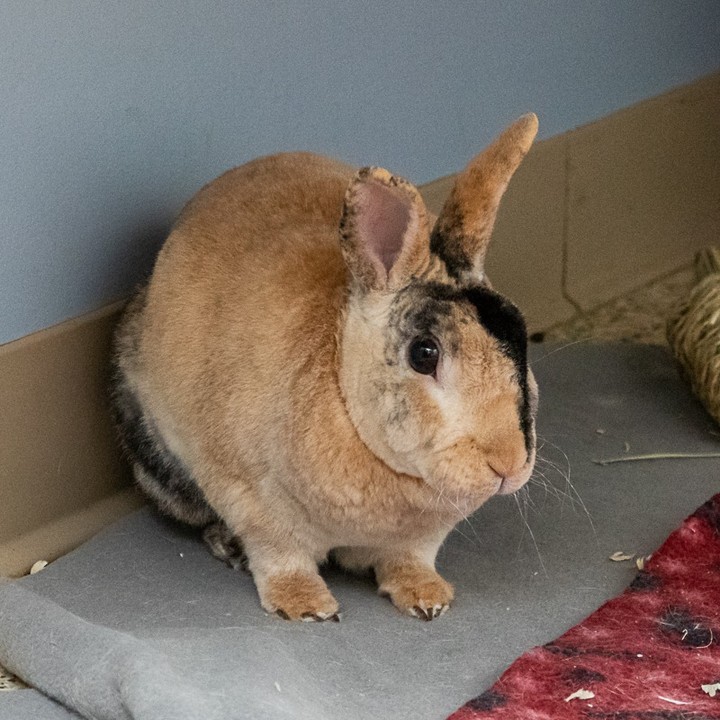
x=508, y=463
x=512, y=468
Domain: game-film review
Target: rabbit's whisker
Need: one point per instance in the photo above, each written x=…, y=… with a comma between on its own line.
x=532, y=535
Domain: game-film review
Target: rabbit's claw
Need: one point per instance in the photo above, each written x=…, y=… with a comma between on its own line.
x=428, y=613
x=299, y=596
x=418, y=591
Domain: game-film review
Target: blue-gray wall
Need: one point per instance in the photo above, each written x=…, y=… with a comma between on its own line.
x=112, y=112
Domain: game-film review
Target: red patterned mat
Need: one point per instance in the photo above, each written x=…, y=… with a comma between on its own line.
x=653, y=653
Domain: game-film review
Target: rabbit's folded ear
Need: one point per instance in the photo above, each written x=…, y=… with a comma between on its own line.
x=462, y=232
x=384, y=232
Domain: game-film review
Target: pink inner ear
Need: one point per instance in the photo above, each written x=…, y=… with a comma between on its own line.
x=383, y=216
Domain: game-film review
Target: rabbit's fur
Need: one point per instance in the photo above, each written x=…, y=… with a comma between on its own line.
x=263, y=386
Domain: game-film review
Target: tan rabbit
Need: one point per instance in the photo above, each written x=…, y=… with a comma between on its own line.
x=316, y=366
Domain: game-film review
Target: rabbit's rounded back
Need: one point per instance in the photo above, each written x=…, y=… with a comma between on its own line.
x=250, y=274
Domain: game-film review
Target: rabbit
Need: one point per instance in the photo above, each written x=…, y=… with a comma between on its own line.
x=319, y=369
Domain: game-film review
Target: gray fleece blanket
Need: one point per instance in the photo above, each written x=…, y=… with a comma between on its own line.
x=142, y=623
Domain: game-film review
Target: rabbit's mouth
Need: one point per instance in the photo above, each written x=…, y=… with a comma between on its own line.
x=510, y=485
x=467, y=484
x=512, y=482
x=468, y=468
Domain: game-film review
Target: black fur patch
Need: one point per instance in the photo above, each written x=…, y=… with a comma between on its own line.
x=506, y=324
x=450, y=251
x=144, y=446
x=502, y=320
x=426, y=308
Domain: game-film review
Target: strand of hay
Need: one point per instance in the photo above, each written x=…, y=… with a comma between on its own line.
x=694, y=332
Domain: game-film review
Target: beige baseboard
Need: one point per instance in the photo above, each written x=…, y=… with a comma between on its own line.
x=64, y=533
x=58, y=454
x=589, y=215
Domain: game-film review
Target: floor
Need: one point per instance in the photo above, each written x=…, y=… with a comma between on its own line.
x=636, y=317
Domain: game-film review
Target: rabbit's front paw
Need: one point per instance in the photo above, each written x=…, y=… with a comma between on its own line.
x=299, y=596
x=418, y=591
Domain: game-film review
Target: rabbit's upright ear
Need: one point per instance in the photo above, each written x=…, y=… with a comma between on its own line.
x=462, y=232
x=384, y=232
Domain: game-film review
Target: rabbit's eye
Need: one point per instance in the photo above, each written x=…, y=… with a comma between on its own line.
x=424, y=355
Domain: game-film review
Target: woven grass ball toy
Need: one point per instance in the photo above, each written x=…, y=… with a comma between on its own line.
x=694, y=333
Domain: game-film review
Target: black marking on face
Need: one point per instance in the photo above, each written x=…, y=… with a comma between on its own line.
x=502, y=320
x=423, y=310
x=428, y=309
x=506, y=324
